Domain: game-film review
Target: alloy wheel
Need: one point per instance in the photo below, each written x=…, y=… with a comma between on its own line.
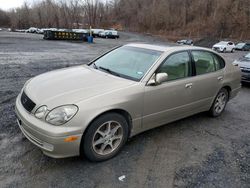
x=107, y=138
x=220, y=102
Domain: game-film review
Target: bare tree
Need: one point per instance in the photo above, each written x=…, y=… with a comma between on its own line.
x=176, y=17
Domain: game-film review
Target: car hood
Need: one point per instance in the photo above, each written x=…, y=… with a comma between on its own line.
x=244, y=59
x=71, y=85
x=244, y=62
x=219, y=45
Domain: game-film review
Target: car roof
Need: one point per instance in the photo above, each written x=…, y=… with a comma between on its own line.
x=166, y=48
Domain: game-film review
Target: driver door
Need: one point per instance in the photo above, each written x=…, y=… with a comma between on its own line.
x=173, y=98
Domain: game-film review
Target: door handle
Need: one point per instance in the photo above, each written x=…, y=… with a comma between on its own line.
x=189, y=85
x=220, y=78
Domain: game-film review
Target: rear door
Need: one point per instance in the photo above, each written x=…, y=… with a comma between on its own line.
x=209, y=78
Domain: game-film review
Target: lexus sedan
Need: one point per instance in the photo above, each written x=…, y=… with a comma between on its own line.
x=244, y=64
x=93, y=109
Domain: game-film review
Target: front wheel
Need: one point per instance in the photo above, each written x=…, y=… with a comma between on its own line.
x=105, y=137
x=219, y=103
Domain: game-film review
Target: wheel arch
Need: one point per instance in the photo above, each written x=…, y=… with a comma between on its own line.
x=229, y=89
x=122, y=112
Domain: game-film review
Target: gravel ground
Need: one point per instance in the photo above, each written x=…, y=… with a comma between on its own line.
x=198, y=151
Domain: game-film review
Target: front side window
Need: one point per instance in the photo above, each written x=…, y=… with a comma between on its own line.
x=176, y=66
x=128, y=62
x=204, y=62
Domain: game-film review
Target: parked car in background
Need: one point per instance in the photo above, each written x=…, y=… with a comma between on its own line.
x=224, y=46
x=186, y=42
x=42, y=30
x=109, y=34
x=134, y=88
x=244, y=64
x=80, y=31
x=243, y=46
x=39, y=31
x=95, y=32
x=31, y=30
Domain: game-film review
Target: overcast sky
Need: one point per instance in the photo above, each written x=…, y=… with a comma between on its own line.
x=8, y=4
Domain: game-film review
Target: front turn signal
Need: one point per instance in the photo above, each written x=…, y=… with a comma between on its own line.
x=70, y=138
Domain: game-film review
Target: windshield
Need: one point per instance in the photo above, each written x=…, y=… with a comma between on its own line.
x=240, y=44
x=128, y=62
x=222, y=43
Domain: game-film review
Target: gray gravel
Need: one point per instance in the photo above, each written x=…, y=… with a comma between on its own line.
x=198, y=151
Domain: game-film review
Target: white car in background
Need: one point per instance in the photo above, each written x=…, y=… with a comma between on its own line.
x=224, y=46
x=80, y=30
x=95, y=32
x=31, y=30
x=109, y=34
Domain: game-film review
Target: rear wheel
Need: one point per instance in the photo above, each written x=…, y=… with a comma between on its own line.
x=105, y=137
x=219, y=103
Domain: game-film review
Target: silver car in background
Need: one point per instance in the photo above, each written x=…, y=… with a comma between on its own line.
x=93, y=109
x=244, y=64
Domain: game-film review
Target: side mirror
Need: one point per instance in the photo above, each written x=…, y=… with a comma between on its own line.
x=161, y=77
x=158, y=78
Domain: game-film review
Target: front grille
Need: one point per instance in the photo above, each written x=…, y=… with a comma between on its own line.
x=27, y=103
x=247, y=70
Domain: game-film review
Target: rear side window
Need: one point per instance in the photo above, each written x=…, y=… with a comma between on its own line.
x=204, y=62
x=219, y=62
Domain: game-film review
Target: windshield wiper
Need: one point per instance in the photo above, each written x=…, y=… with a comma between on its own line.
x=110, y=71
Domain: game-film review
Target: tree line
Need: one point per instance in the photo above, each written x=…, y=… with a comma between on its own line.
x=227, y=18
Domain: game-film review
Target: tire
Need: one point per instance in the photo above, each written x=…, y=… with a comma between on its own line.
x=96, y=143
x=232, y=51
x=219, y=103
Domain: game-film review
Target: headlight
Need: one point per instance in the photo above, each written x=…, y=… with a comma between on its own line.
x=61, y=114
x=41, y=111
x=235, y=63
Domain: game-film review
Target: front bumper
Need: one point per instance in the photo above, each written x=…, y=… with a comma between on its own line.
x=38, y=132
x=217, y=49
